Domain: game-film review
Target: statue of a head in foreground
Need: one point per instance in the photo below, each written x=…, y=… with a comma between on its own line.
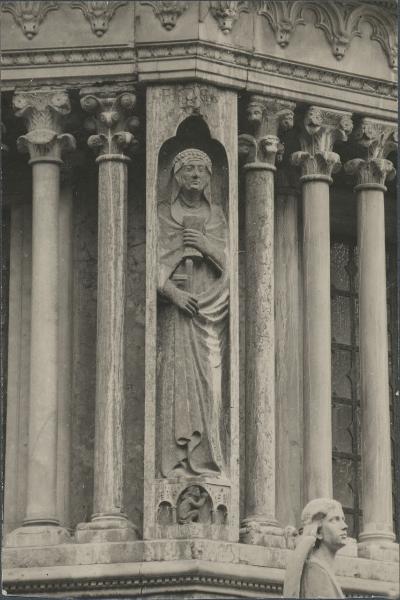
x=324, y=519
x=192, y=170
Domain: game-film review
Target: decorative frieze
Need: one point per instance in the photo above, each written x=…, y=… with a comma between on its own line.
x=98, y=12
x=167, y=12
x=339, y=21
x=44, y=112
x=321, y=129
x=227, y=12
x=29, y=15
x=283, y=18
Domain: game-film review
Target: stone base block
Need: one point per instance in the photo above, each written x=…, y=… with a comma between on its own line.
x=106, y=530
x=262, y=534
x=37, y=535
x=387, y=551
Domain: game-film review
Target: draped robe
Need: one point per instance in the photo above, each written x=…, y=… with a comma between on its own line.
x=192, y=377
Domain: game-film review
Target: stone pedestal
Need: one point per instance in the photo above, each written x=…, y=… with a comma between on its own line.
x=321, y=129
x=112, y=110
x=43, y=109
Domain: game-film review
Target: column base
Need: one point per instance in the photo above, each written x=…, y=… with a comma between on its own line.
x=262, y=533
x=37, y=535
x=106, y=529
x=379, y=550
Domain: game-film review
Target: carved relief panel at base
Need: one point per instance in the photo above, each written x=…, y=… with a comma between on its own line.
x=191, y=487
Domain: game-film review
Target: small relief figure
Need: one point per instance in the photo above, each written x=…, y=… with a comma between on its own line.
x=310, y=570
x=192, y=499
x=192, y=323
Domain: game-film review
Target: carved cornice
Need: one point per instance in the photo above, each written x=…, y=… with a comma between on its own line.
x=268, y=64
x=29, y=15
x=112, y=110
x=321, y=128
x=68, y=56
x=44, y=112
x=226, y=12
x=167, y=12
x=266, y=117
x=98, y=12
x=340, y=22
x=374, y=141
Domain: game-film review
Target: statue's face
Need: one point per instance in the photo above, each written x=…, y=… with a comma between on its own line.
x=254, y=112
x=333, y=530
x=193, y=176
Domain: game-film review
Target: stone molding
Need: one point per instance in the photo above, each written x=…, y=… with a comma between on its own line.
x=98, y=13
x=226, y=13
x=268, y=64
x=339, y=22
x=44, y=111
x=167, y=12
x=15, y=60
x=29, y=15
x=112, y=110
x=321, y=128
x=68, y=56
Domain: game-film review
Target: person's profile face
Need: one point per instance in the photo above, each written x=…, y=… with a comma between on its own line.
x=333, y=529
x=194, y=176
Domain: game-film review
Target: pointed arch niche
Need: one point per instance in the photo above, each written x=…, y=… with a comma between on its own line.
x=180, y=117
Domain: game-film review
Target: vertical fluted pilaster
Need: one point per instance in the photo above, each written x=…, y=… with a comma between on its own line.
x=374, y=140
x=321, y=128
x=112, y=116
x=44, y=111
x=259, y=149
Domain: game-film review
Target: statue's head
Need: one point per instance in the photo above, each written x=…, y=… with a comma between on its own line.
x=192, y=170
x=324, y=518
x=254, y=112
x=313, y=119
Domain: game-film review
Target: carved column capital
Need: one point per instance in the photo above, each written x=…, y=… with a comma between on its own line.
x=374, y=140
x=112, y=119
x=266, y=117
x=44, y=111
x=321, y=128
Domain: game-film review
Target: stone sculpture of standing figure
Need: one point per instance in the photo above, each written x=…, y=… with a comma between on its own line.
x=192, y=323
x=310, y=570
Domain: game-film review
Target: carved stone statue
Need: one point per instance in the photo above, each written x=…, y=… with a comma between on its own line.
x=192, y=499
x=192, y=323
x=310, y=570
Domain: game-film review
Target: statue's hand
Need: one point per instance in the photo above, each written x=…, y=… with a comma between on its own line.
x=195, y=239
x=186, y=302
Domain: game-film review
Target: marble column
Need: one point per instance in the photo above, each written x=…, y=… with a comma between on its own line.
x=288, y=347
x=44, y=111
x=111, y=109
x=375, y=140
x=259, y=149
x=320, y=129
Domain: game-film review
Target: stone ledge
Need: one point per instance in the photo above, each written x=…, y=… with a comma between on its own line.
x=174, y=566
